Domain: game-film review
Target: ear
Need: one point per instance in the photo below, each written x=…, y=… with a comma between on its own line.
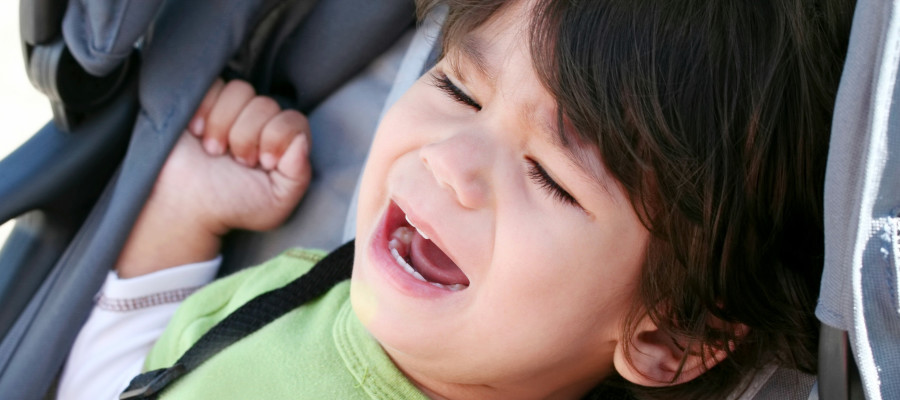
x=653, y=358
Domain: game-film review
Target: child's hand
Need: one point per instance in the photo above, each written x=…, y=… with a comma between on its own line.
x=244, y=165
x=255, y=166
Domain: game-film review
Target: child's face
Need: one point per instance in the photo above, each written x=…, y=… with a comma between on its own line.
x=538, y=286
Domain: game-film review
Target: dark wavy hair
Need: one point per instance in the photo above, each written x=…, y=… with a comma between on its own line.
x=714, y=116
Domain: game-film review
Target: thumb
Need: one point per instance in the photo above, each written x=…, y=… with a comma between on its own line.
x=291, y=176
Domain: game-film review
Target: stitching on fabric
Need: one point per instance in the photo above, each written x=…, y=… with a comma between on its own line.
x=138, y=303
x=830, y=315
x=350, y=353
x=303, y=255
x=346, y=347
x=894, y=259
x=105, y=48
x=365, y=377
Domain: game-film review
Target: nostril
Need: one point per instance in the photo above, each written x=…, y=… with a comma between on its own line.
x=452, y=168
x=425, y=155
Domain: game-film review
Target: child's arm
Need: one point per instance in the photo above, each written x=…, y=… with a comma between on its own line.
x=249, y=173
x=201, y=193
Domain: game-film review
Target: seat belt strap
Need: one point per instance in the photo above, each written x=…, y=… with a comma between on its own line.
x=249, y=318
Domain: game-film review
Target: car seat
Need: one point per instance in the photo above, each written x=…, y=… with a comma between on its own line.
x=54, y=301
x=859, y=292
x=65, y=268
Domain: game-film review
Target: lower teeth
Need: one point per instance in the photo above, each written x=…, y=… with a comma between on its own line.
x=393, y=244
x=406, y=266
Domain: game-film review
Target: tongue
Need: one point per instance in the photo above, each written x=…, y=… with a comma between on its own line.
x=433, y=264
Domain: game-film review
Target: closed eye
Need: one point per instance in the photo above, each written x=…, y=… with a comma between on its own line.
x=539, y=175
x=442, y=82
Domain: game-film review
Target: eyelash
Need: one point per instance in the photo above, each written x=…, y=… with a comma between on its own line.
x=540, y=176
x=444, y=83
x=535, y=171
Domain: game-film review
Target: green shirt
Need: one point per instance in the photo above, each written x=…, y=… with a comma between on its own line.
x=317, y=351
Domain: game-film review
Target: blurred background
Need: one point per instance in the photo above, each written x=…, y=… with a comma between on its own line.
x=23, y=110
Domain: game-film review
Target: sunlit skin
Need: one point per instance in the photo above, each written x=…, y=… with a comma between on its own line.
x=551, y=277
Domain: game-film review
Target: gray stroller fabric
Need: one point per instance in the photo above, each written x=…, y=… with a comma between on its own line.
x=862, y=201
x=101, y=34
x=184, y=51
x=32, y=353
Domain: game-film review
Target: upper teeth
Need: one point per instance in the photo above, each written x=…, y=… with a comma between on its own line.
x=417, y=228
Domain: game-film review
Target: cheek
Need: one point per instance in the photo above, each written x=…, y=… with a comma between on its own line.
x=403, y=128
x=578, y=275
x=411, y=123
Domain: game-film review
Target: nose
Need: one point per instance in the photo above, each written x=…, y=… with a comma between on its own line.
x=462, y=163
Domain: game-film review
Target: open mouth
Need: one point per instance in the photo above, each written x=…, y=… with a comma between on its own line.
x=420, y=257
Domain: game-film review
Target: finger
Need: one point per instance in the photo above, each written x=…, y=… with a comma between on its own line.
x=231, y=101
x=244, y=137
x=278, y=134
x=293, y=173
x=198, y=122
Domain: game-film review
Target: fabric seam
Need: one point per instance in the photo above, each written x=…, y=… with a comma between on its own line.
x=132, y=304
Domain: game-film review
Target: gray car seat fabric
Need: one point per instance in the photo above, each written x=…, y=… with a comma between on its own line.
x=774, y=382
x=33, y=351
x=862, y=201
x=101, y=34
x=41, y=337
x=181, y=58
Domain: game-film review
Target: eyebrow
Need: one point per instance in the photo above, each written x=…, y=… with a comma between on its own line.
x=471, y=49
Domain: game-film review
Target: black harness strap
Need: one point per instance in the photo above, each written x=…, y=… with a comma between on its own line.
x=249, y=318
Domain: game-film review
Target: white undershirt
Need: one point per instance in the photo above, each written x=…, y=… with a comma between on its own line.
x=127, y=319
